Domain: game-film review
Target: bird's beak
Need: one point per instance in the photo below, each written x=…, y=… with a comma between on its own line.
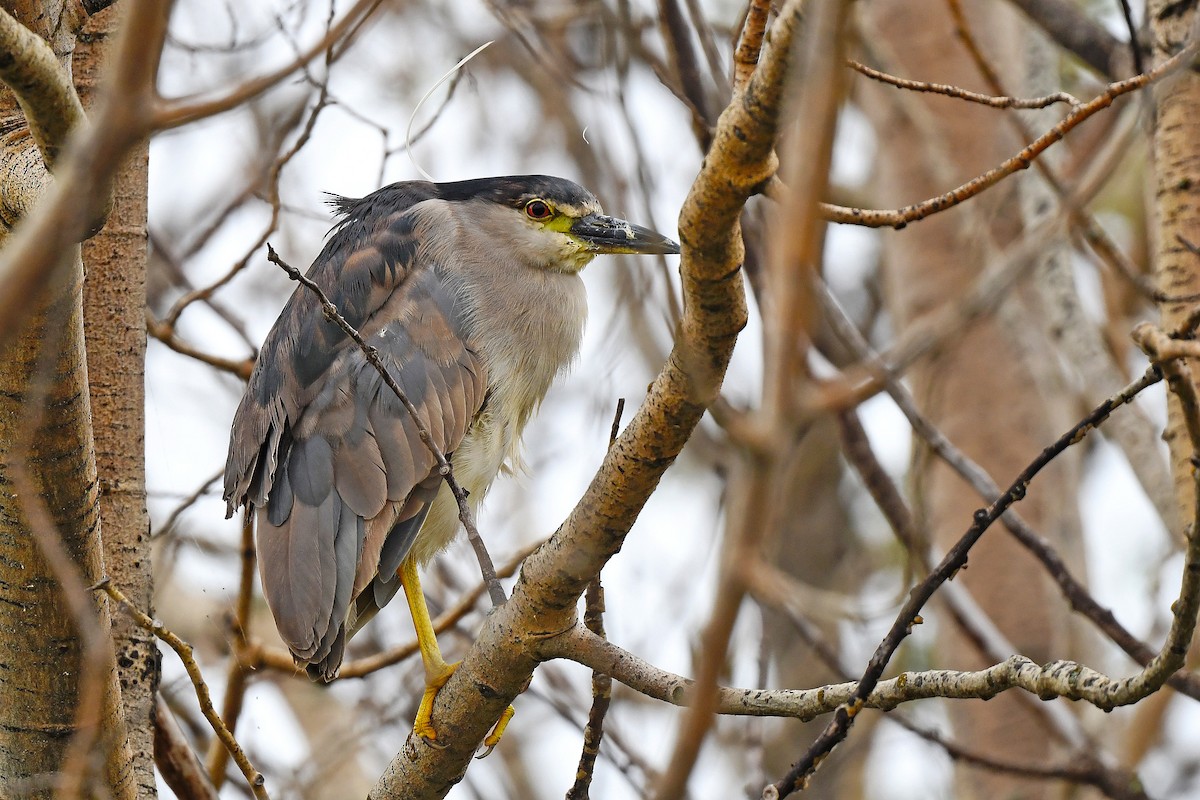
x=603, y=234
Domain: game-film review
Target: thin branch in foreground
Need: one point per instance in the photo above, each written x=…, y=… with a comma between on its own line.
x=1103, y=694
x=1082, y=766
x=992, y=101
x=495, y=590
x=254, y=778
x=899, y=218
x=1076, y=594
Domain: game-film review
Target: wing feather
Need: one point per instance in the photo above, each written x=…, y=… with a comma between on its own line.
x=323, y=449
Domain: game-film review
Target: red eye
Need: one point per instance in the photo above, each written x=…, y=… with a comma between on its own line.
x=537, y=209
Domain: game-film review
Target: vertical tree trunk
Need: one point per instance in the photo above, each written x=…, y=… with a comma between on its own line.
x=43, y=674
x=1177, y=166
x=114, y=302
x=40, y=648
x=977, y=388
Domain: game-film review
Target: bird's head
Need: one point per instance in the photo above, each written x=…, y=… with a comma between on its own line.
x=553, y=223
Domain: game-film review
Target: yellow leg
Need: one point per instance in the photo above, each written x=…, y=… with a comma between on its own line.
x=437, y=671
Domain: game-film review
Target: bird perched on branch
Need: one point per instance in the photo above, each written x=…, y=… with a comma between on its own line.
x=470, y=293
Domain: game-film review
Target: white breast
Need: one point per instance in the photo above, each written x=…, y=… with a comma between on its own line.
x=533, y=334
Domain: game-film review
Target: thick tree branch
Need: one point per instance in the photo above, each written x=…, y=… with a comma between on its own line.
x=543, y=603
x=43, y=88
x=33, y=256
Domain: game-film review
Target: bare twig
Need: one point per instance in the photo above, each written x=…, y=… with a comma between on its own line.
x=899, y=218
x=593, y=619
x=1102, y=694
x=1076, y=594
x=274, y=172
x=991, y=101
x=254, y=778
x=168, y=526
x=181, y=111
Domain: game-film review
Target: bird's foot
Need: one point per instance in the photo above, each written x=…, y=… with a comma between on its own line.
x=493, y=738
x=423, y=725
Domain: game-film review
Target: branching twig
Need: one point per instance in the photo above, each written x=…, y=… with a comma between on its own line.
x=184, y=650
x=899, y=218
x=991, y=101
x=168, y=526
x=165, y=333
x=593, y=619
x=181, y=111
x=1104, y=694
x=1072, y=589
x=273, y=174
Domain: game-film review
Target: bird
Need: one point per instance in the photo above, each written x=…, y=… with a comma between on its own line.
x=469, y=292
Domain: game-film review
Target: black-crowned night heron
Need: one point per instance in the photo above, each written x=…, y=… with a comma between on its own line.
x=470, y=292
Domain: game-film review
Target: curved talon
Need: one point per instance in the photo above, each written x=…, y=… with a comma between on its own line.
x=493, y=738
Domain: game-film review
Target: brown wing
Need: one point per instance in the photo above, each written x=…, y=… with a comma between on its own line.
x=324, y=450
